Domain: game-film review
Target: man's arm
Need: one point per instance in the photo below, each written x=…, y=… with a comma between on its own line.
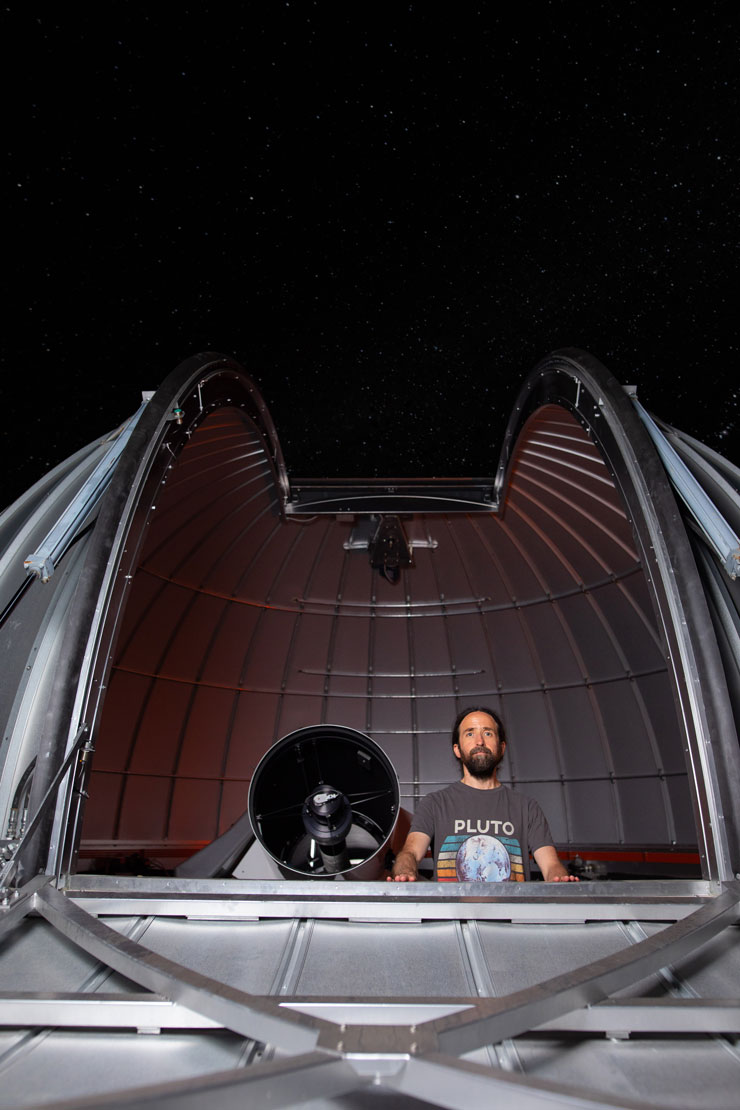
x=405, y=868
x=553, y=871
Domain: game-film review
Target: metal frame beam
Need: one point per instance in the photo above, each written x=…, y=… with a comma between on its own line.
x=495, y=1019
x=531, y=903
x=406, y=1045
x=235, y=1009
x=448, y=1082
x=277, y=1083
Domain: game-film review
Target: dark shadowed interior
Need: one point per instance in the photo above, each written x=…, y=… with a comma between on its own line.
x=244, y=624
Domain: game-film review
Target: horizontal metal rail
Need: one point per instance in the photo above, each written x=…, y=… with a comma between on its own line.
x=234, y=899
x=69, y=1010
x=152, y=1013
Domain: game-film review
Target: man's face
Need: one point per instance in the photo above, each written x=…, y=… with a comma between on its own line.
x=479, y=749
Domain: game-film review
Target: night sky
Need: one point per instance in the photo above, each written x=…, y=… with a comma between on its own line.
x=387, y=213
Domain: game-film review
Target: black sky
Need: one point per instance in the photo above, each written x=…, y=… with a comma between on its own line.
x=387, y=213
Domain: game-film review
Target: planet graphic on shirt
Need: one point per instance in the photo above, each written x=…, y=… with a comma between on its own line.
x=482, y=859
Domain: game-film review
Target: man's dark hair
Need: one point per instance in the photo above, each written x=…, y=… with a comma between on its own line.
x=477, y=709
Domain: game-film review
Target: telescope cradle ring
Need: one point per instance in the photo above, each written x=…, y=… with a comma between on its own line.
x=323, y=803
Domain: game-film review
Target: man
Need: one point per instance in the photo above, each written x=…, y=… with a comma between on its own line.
x=481, y=829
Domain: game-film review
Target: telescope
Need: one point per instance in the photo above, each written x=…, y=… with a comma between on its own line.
x=323, y=803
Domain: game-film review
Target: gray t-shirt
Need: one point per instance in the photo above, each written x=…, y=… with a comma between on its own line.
x=481, y=835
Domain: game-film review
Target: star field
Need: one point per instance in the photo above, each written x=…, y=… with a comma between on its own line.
x=388, y=215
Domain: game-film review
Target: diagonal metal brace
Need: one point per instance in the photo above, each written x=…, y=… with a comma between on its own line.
x=276, y=1084
x=23, y=903
x=448, y=1082
x=257, y=1017
x=493, y=1020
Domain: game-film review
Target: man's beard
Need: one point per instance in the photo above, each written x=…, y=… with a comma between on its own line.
x=481, y=762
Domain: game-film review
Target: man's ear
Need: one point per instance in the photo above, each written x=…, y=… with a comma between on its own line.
x=456, y=750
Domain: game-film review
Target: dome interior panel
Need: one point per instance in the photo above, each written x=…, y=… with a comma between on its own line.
x=622, y=712
x=552, y=797
x=398, y=749
x=232, y=803
x=682, y=810
x=189, y=800
x=541, y=570
x=475, y=540
x=268, y=649
x=308, y=549
x=661, y=712
x=355, y=589
x=391, y=662
x=159, y=607
x=437, y=763
x=599, y=649
x=211, y=714
x=584, y=494
x=564, y=541
x=295, y=712
x=436, y=714
x=251, y=734
x=327, y=580
x=271, y=624
x=259, y=577
x=530, y=716
x=350, y=711
x=231, y=571
x=558, y=651
x=474, y=686
x=105, y=791
x=224, y=663
x=422, y=584
x=391, y=714
x=347, y=659
x=161, y=727
x=431, y=650
x=452, y=583
x=592, y=813
x=312, y=641
x=429, y=687
x=468, y=647
x=144, y=809
x=518, y=665
x=125, y=701
x=523, y=579
x=579, y=728
x=607, y=537
x=643, y=808
x=631, y=623
x=199, y=626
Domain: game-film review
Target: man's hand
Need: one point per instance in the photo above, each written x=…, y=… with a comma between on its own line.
x=553, y=870
x=405, y=867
